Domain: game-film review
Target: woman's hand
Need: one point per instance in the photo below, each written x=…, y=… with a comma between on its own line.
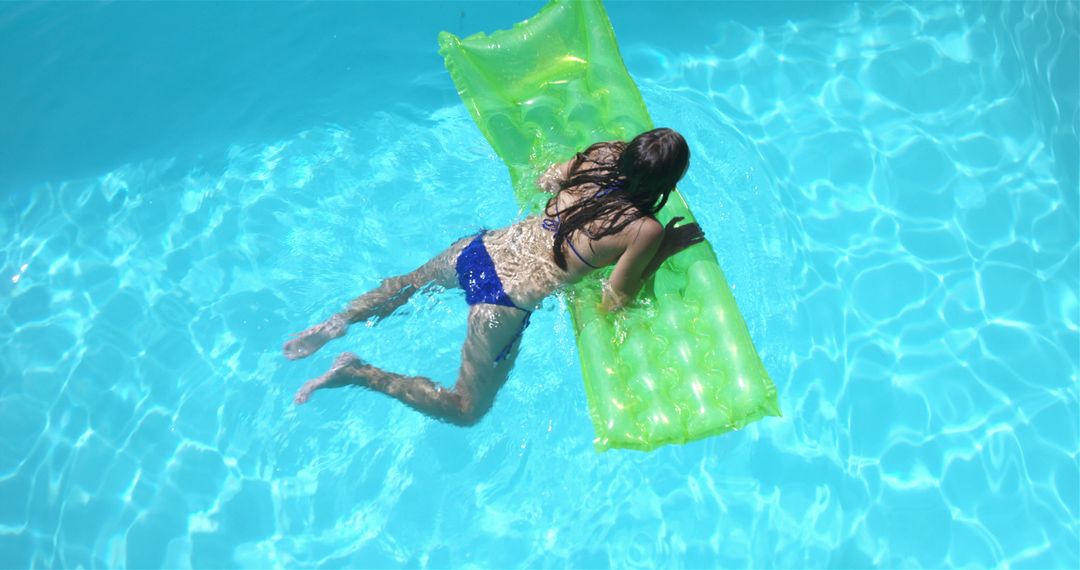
x=679, y=238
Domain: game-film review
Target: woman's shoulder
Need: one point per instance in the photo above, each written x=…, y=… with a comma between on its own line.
x=647, y=227
x=640, y=237
x=641, y=231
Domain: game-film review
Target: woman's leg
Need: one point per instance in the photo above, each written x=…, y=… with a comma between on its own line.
x=380, y=302
x=491, y=329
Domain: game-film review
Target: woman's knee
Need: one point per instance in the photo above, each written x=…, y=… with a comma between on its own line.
x=469, y=414
x=401, y=284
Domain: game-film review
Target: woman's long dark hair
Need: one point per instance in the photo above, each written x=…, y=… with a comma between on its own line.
x=634, y=180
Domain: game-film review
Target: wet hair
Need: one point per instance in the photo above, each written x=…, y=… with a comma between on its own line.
x=633, y=180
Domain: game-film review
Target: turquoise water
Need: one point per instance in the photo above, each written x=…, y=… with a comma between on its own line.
x=891, y=189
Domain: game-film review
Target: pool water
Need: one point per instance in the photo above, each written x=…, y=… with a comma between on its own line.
x=891, y=188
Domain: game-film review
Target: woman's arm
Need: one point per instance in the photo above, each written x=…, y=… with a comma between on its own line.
x=650, y=248
x=553, y=178
x=629, y=272
x=596, y=155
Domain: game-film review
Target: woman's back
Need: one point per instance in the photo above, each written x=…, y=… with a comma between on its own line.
x=524, y=254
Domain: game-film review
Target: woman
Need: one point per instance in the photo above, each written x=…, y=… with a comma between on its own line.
x=602, y=213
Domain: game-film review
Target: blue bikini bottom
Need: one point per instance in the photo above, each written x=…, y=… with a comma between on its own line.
x=477, y=277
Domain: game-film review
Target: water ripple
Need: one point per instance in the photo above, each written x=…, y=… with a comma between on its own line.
x=891, y=190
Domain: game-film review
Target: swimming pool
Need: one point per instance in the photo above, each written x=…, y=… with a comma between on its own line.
x=891, y=189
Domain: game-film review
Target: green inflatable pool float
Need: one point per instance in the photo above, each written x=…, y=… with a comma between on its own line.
x=678, y=365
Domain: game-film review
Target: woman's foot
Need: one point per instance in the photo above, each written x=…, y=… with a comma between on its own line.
x=311, y=340
x=344, y=371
